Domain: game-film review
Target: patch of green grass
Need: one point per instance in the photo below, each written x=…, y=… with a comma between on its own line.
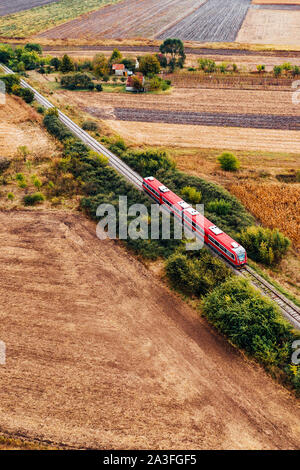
x=29, y=22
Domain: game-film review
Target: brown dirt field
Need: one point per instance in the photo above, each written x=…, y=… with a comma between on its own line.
x=19, y=126
x=180, y=135
x=270, y=27
x=100, y=354
x=197, y=100
x=150, y=18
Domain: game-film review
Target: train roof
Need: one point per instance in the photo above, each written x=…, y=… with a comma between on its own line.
x=209, y=227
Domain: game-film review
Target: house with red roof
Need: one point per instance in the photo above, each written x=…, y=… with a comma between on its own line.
x=119, y=69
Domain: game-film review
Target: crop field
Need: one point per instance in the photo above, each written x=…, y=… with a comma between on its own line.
x=215, y=21
x=113, y=358
x=266, y=26
x=280, y=200
x=12, y=6
x=29, y=22
x=127, y=19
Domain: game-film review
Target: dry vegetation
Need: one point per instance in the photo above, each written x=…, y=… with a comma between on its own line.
x=113, y=359
x=275, y=205
x=20, y=125
x=270, y=27
x=181, y=135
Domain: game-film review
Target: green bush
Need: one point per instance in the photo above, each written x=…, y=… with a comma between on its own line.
x=228, y=162
x=250, y=321
x=77, y=81
x=99, y=87
x=55, y=127
x=207, y=65
x=193, y=196
x=10, y=196
x=264, y=245
x=148, y=162
x=33, y=199
x=90, y=126
x=219, y=206
x=10, y=80
x=196, y=275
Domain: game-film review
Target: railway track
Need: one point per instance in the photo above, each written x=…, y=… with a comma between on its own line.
x=289, y=310
x=113, y=160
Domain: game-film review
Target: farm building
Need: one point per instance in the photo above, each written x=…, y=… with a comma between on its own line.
x=131, y=83
x=119, y=69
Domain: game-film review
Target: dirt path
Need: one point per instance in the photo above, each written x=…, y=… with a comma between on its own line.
x=99, y=354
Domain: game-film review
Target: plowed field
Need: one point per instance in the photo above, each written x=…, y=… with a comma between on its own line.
x=215, y=21
x=100, y=354
x=127, y=19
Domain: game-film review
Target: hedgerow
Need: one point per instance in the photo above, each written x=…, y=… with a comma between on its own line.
x=254, y=324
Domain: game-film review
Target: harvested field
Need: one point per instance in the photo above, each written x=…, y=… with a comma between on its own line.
x=211, y=100
x=19, y=126
x=100, y=354
x=154, y=134
x=256, y=121
x=264, y=26
x=280, y=200
x=128, y=19
x=215, y=21
x=12, y=6
x=26, y=23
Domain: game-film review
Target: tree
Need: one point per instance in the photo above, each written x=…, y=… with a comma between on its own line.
x=100, y=65
x=207, y=65
x=277, y=70
x=137, y=83
x=55, y=62
x=174, y=51
x=34, y=47
x=129, y=64
x=228, y=161
x=6, y=53
x=149, y=65
x=115, y=57
x=67, y=64
x=261, y=68
x=77, y=80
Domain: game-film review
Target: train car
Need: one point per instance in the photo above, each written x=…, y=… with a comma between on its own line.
x=213, y=236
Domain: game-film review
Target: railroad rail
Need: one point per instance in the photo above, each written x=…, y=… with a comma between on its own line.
x=113, y=160
x=289, y=310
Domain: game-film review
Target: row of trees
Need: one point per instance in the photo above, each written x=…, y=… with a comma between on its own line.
x=210, y=66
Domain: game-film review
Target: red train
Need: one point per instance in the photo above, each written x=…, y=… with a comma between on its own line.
x=213, y=236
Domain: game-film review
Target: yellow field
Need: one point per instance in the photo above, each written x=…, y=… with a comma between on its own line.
x=275, y=205
x=271, y=27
